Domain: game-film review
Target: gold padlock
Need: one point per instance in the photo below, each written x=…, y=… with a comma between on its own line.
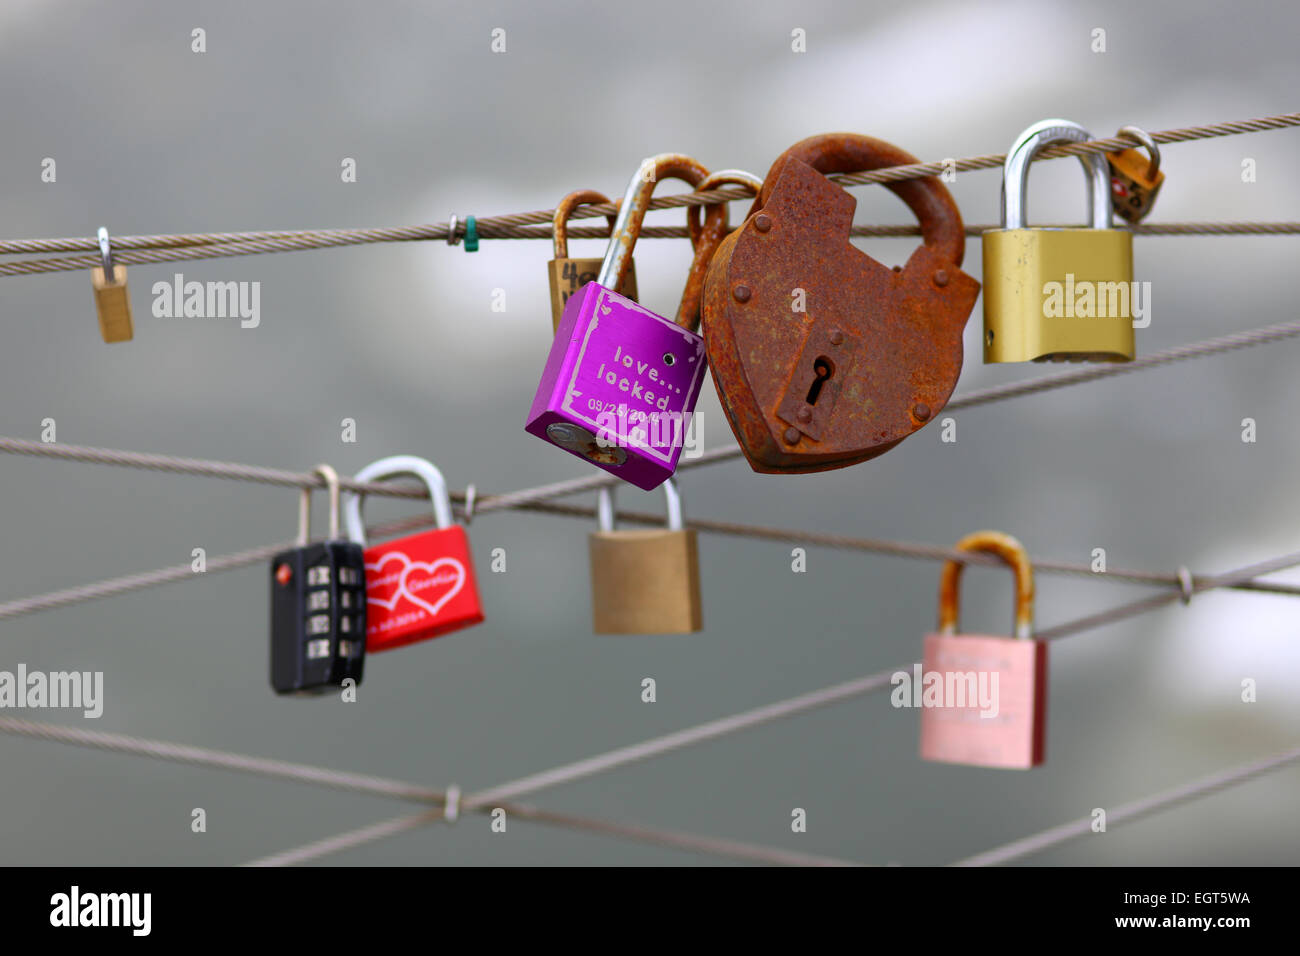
x=1134, y=179
x=112, y=300
x=569, y=275
x=1057, y=294
x=644, y=581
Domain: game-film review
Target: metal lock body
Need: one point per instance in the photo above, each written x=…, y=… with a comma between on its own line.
x=1057, y=294
x=645, y=581
x=420, y=586
x=112, y=299
x=621, y=382
x=1011, y=735
x=1135, y=180
x=569, y=275
x=318, y=607
x=875, y=352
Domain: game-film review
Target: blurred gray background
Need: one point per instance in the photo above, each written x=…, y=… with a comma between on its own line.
x=152, y=138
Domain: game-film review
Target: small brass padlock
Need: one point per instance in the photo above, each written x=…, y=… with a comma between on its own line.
x=1135, y=180
x=822, y=356
x=112, y=300
x=1057, y=294
x=569, y=275
x=644, y=581
x=992, y=706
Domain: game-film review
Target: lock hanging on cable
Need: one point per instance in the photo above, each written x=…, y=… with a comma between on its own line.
x=112, y=298
x=621, y=382
x=318, y=607
x=1050, y=293
x=1135, y=180
x=420, y=586
x=992, y=710
x=569, y=275
x=822, y=356
x=645, y=581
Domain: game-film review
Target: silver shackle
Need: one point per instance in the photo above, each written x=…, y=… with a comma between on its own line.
x=1015, y=172
x=605, y=507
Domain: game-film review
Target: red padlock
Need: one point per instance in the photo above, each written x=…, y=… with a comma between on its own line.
x=420, y=586
x=992, y=691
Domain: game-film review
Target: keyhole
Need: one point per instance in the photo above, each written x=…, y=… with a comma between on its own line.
x=823, y=369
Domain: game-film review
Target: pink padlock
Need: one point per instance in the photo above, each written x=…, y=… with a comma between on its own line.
x=621, y=383
x=992, y=691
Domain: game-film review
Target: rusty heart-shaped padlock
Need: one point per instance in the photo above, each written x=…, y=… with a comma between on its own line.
x=822, y=356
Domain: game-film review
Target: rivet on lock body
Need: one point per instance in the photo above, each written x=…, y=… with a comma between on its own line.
x=876, y=352
x=1010, y=732
x=318, y=605
x=621, y=382
x=1057, y=294
x=644, y=581
x=422, y=585
x=569, y=275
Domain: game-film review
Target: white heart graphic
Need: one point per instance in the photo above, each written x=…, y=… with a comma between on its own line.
x=377, y=567
x=435, y=607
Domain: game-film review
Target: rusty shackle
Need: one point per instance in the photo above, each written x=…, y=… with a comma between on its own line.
x=706, y=239
x=560, y=221
x=1009, y=550
x=928, y=198
x=632, y=210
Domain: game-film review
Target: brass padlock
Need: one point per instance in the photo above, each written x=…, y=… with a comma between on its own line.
x=1057, y=294
x=645, y=581
x=569, y=275
x=112, y=300
x=1134, y=179
x=822, y=356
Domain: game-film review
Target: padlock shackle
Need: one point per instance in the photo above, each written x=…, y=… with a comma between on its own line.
x=331, y=478
x=719, y=177
x=391, y=467
x=928, y=198
x=605, y=507
x=304, y=517
x=560, y=221
x=1140, y=136
x=1015, y=172
x=632, y=210
x=707, y=238
x=106, y=255
x=1009, y=550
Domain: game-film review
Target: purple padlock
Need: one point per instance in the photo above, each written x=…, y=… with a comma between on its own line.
x=621, y=382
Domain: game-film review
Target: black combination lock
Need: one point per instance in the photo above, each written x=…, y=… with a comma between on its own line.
x=318, y=606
